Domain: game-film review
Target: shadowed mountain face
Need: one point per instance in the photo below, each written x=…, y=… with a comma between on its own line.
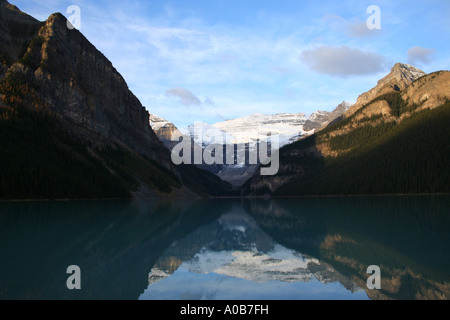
x=70, y=126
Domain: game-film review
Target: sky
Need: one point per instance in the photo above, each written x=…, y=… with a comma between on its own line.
x=213, y=60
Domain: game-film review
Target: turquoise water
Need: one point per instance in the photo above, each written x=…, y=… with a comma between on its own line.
x=227, y=249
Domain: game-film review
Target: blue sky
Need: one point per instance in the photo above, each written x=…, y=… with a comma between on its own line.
x=206, y=60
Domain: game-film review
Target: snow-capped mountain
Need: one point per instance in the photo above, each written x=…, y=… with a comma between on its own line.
x=289, y=127
x=251, y=129
x=257, y=127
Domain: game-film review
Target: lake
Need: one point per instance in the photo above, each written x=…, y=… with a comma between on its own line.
x=227, y=249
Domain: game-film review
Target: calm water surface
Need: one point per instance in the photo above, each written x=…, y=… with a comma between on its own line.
x=290, y=249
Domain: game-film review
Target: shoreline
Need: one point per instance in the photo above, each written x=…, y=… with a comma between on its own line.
x=230, y=197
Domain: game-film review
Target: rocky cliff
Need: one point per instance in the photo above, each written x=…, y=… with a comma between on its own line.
x=80, y=85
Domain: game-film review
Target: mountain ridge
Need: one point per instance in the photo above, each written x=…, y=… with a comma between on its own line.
x=363, y=152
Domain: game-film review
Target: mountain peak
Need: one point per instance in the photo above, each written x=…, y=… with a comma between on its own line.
x=404, y=66
x=400, y=77
x=57, y=17
x=405, y=73
x=16, y=29
x=6, y=5
x=11, y=10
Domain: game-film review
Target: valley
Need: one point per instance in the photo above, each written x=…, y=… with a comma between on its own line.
x=68, y=120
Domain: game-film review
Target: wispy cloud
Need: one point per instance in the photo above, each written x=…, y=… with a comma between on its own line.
x=359, y=29
x=353, y=28
x=187, y=98
x=420, y=55
x=343, y=61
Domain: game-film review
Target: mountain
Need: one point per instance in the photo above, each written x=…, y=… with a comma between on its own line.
x=393, y=140
x=69, y=125
x=400, y=77
x=256, y=127
x=251, y=129
x=319, y=119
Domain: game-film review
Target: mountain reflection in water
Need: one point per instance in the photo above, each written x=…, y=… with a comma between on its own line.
x=232, y=258
x=308, y=248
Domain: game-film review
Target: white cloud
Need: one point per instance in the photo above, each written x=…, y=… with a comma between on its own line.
x=343, y=61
